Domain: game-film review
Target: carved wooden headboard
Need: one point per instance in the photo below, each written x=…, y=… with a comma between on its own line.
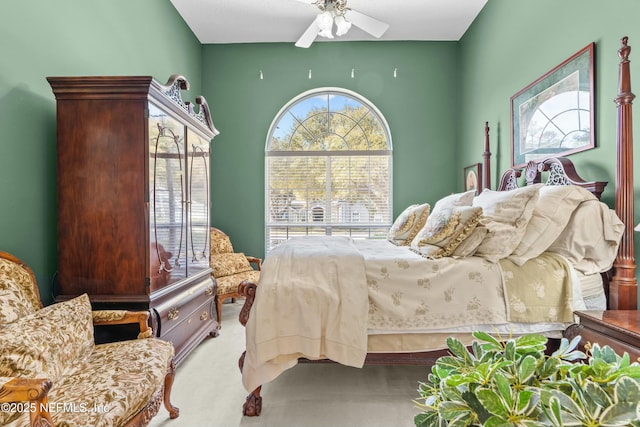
x=561, y=171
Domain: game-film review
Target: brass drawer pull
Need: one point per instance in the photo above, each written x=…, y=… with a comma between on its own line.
x=204, y=315
x=173, y=314
x=209, y=290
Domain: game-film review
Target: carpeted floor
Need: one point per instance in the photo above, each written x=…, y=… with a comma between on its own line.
x=209, y=392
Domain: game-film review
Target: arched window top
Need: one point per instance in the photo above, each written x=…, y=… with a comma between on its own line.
x=560, y=122
x=328, y=168
x=329, y=119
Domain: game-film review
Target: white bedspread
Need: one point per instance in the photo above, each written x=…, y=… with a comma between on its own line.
x=411, y=294
x=312, y=303
x=325, y=297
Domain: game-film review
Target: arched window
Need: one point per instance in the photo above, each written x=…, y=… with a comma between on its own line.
x=328, y=162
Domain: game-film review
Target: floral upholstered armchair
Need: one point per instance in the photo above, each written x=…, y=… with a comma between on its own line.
x=230, y=268
x=53, y=374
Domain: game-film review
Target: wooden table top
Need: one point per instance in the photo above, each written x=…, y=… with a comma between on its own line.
x=626, y=321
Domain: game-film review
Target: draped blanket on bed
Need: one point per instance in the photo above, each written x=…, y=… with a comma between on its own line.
x=312, y=303
x=320, y=297
x=540, y=290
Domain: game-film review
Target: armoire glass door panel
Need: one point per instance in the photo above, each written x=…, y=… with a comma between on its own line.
x=167, y=201
x=198, y=212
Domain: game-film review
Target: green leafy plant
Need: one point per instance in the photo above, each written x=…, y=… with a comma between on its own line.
x=515, y=383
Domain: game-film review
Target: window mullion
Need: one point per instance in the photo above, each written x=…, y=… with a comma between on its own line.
x=328, y=198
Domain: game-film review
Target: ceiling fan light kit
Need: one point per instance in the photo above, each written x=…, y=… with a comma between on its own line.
x=336, y=12
x=342, y=25
x=325, y=23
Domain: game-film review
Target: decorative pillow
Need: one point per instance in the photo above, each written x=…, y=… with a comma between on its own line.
x=228, y=264
x=408, y=223
x=444, y=234
x=46, y=343
x=469, y=245
x=506, y=215
x=16, y=292
x=438, y=226
x=551, y=214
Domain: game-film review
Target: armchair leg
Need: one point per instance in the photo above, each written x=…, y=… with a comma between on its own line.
x=168, y=384
x=38, y=417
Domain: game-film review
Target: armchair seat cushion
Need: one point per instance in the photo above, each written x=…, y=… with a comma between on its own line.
x=229, y=284
x=124, y=377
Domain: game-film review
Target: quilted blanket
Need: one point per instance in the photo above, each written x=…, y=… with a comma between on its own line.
x=540, y=290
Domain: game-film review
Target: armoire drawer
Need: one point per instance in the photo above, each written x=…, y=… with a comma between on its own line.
x=193, y=327
x=174, y=311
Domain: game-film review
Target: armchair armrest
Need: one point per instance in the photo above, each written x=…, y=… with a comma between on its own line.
x=121, y=317
x=32, y=390
x=254, y=260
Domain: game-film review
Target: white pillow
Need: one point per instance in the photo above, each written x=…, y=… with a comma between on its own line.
x=408, y=224
x=591, y=238
x=551, y=214
x=505, y=215
x=453, y=200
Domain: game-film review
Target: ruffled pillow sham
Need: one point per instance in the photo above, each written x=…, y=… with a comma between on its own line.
x=408, y=224
x=445, y=231
x=469, y=246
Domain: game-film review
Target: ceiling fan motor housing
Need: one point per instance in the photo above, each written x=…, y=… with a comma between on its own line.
x=339, y=7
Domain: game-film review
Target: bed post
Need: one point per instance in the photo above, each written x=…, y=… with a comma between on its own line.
x=486, y=161
x=623, y=288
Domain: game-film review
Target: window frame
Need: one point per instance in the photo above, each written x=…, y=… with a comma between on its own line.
x=388, y=153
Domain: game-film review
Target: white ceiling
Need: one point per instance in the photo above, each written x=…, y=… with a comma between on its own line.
x=252, y=21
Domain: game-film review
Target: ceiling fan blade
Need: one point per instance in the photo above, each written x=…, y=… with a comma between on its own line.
x=370, y=25
x=309, y=35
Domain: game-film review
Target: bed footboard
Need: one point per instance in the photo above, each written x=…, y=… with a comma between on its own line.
x=253, y=404
x=246, y=289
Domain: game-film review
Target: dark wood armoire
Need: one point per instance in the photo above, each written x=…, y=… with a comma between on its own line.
x=133, y=201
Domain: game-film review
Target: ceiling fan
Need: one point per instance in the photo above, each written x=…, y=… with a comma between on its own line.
x=336, y=12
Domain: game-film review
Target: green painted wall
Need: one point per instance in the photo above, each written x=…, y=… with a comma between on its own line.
x=40, y=38
x=419, y=105
x=513, y=42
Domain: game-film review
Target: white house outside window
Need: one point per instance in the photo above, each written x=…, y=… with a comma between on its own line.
x=328, y=165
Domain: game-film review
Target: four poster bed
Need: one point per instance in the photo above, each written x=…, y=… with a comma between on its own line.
x=516, y=260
